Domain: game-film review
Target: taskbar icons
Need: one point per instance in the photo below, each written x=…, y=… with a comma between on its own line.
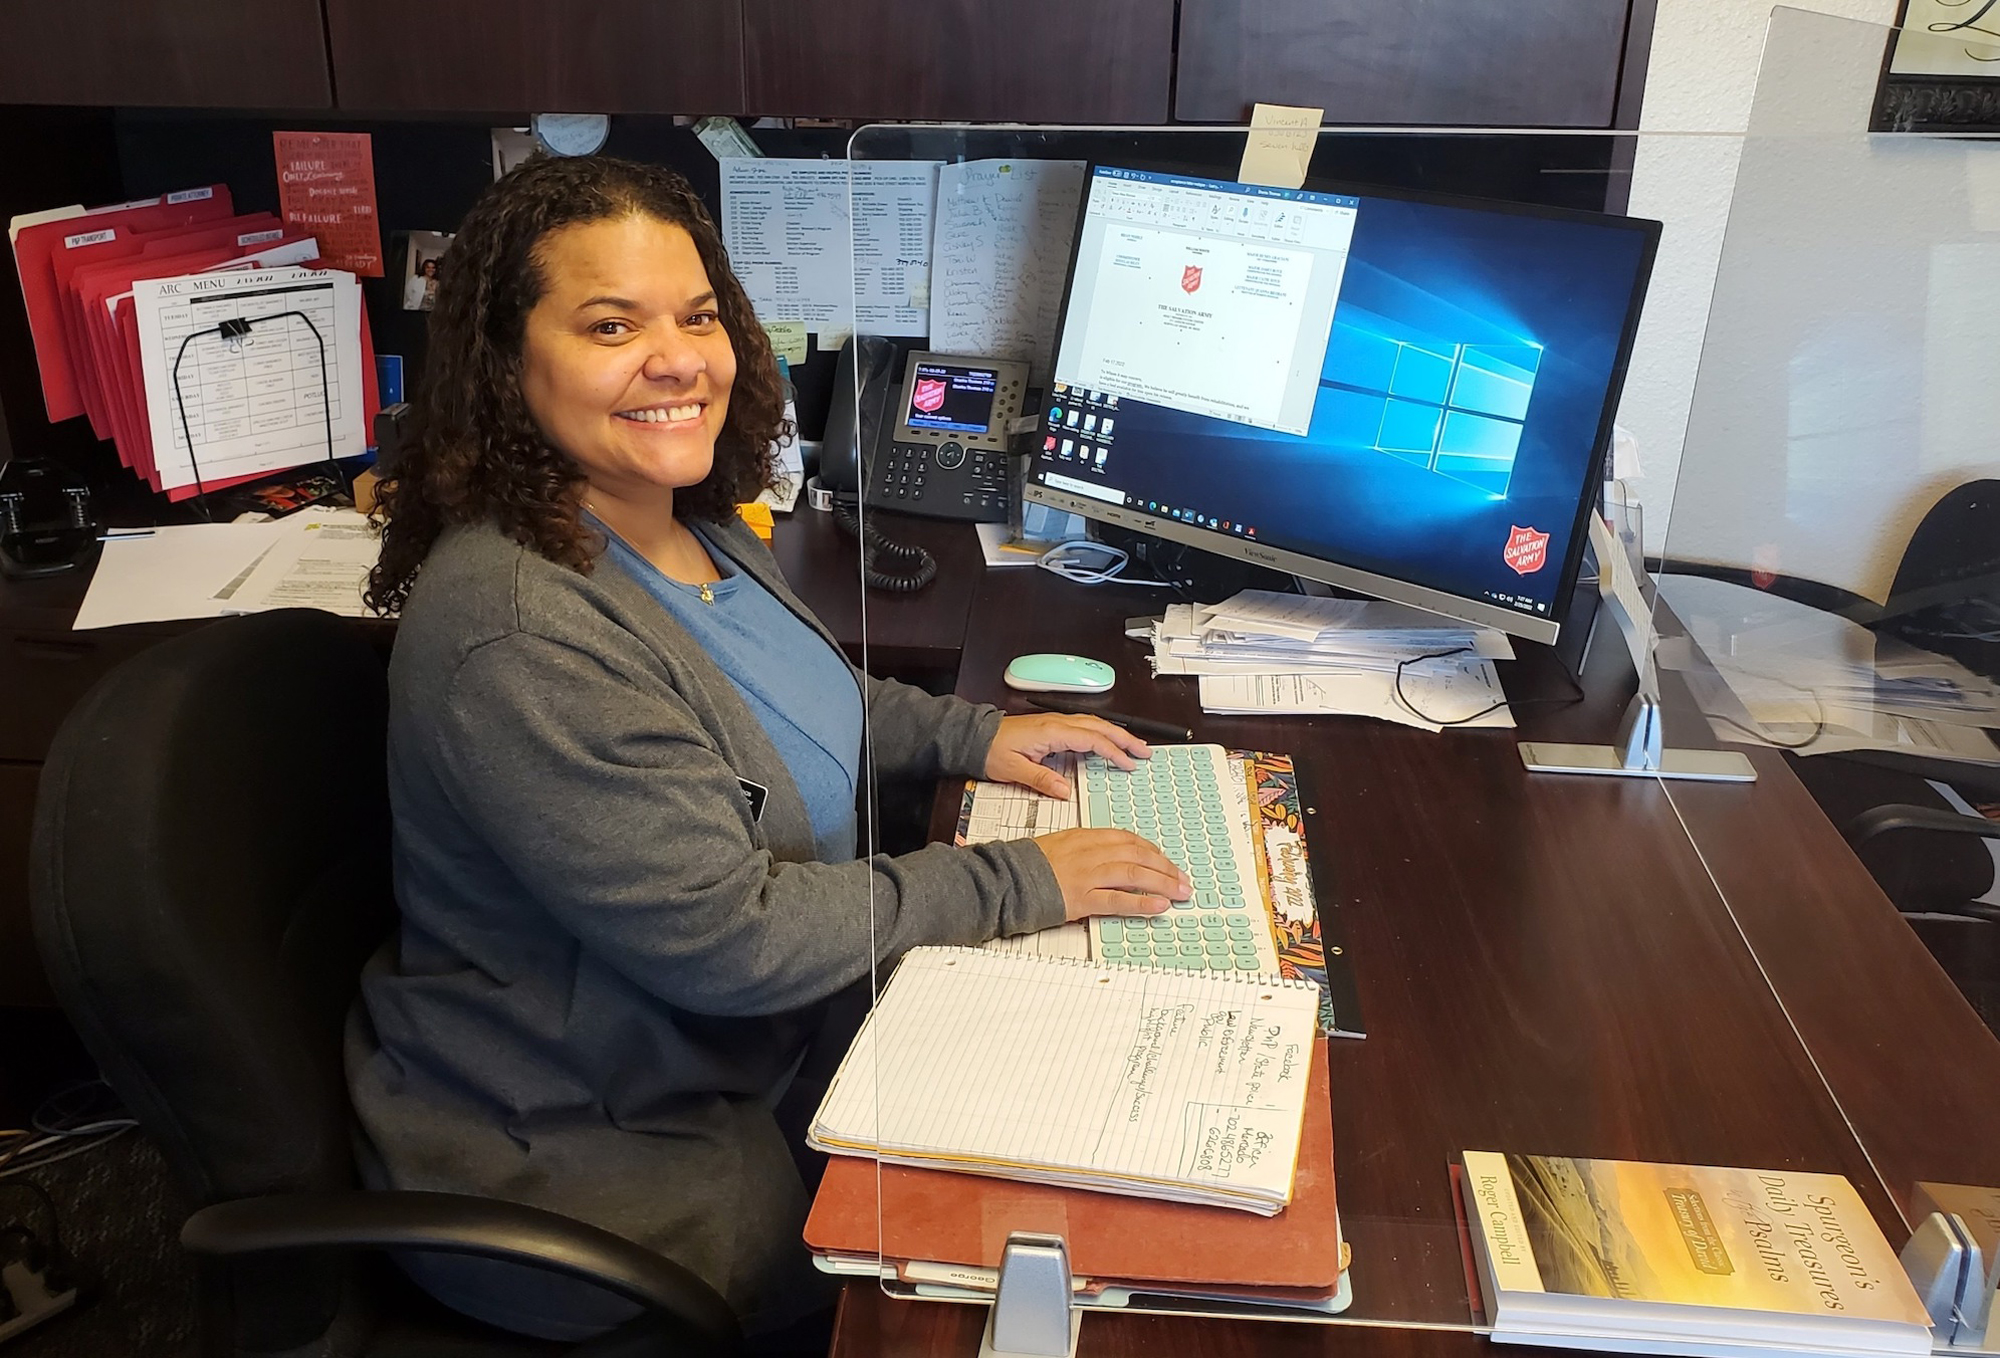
x=1520, y=603
x=1189, y=516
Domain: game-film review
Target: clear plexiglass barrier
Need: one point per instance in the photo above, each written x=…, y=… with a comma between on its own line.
x=1397, y=944
x=1829, y=590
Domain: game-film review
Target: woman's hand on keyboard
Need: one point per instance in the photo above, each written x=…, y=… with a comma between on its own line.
x=1023, y=742
x=1112, y=872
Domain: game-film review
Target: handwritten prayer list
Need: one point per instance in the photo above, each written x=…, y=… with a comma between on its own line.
x=999, y=257
x=1130, y=1080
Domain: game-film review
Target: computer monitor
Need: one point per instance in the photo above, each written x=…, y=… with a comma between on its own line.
x=1402, y=394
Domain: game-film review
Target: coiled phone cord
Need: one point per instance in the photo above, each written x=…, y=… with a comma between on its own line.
x=916, y=567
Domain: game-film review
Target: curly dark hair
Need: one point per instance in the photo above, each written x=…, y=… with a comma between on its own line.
x=473, y=452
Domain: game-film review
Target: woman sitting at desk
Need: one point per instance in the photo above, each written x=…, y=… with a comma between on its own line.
x=623, y=760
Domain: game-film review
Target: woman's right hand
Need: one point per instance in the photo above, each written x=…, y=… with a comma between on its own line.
x=1112, y=872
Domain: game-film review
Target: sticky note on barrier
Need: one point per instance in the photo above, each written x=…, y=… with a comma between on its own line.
x=1280, y=146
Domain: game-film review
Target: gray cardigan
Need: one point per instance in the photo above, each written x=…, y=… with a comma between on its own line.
x=606, y=966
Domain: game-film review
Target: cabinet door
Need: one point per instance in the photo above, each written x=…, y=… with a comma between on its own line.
x=1493, y=63
x=538, y=56
x=184, y=53
x=1021, y=61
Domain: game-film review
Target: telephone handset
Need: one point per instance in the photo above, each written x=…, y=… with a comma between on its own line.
x=941, y=451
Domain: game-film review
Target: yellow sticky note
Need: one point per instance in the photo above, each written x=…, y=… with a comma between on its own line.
x=1280, y=146
x=788, y=340
x=758, y=517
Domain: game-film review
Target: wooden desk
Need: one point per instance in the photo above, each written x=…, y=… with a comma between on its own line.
x=1545, y=965
x=915, y=636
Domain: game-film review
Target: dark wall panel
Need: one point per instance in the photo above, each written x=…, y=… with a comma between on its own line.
x=1021, y=61
x=568, y=56
x=180, y=53
x=1492, y=63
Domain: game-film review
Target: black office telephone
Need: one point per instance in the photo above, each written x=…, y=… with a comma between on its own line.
x=939, y=447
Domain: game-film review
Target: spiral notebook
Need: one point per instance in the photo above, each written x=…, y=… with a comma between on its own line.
x=1184, y=1086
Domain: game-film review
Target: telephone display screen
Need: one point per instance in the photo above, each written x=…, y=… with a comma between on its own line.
x=948, y=398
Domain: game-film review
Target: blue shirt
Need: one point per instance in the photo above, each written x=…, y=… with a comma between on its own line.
x=799, y=688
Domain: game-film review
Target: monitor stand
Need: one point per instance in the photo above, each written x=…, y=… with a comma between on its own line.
x=1639, y=749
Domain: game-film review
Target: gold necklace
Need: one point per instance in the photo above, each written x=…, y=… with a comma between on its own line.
x=707, y=594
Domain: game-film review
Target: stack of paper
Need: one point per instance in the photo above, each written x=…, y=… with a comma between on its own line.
x=1264, y=652
x=316, y=558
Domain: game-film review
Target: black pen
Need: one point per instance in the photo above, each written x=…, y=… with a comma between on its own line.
x=1138, y=726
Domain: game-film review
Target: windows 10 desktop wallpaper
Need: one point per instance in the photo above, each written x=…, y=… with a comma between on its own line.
x=1458, y=412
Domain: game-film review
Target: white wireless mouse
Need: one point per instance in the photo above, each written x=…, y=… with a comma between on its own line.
x=1047, y=672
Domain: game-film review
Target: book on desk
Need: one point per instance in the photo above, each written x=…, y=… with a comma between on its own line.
x=1648, y=1258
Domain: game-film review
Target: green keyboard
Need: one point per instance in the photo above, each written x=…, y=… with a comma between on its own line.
x=1188, y=800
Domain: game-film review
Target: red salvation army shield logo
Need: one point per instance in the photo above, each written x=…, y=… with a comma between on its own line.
x=929, y=394
x=1190, y=278
x=1527, y=551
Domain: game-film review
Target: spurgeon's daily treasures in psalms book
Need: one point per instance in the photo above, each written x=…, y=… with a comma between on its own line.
x=1684, y=1259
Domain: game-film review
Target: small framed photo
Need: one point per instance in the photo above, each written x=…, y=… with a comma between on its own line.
x=423, y=264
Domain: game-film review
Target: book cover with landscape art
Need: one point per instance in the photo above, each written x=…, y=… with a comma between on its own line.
x=1618, y=1244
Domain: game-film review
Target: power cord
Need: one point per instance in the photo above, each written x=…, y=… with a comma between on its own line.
x=1071, y=561
x=916, y=567
x=1404, y=699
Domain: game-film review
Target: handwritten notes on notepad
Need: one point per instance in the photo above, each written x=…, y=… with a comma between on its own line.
x=1164, y=1084
x=1000, y=255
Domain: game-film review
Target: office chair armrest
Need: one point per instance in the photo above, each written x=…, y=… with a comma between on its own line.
x=1880, y=820
x=457, y=1223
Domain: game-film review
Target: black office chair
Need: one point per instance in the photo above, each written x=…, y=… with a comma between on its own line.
x=210, y=869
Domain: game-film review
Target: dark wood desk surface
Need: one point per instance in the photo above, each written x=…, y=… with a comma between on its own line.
x=1545, y=964
x=919, y=633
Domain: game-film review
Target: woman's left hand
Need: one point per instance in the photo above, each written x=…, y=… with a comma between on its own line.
x=1024, y=742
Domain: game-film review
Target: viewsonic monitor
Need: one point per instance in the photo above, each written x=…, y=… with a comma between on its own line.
x=1405, y=395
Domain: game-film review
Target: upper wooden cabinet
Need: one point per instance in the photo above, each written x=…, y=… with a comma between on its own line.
x=997, y=60
x=182, y=53
x=1494, y=63
x=538, y=56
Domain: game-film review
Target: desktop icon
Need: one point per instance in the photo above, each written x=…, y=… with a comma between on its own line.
x=1100, y=455
x=1070, y=419
x=1069, y=447
x=1061, y=387
x=1055, y=414
x=1049, y=444
x=1090, y=424
x=1105, y=427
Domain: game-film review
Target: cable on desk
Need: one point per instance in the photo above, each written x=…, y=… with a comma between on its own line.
x=1403, y=698
x=1064, y=559
x=918, y=567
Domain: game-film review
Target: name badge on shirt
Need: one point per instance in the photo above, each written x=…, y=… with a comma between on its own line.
x=755, y=794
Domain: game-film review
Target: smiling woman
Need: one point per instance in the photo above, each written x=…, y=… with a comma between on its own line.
x=624, y=759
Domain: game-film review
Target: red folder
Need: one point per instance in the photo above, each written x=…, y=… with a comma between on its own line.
x=38, y=248
x=932, y=1216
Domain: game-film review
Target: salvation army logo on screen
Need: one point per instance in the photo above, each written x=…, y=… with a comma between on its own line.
x=929, y=394
x=1191, y=279
x=1526, y=551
